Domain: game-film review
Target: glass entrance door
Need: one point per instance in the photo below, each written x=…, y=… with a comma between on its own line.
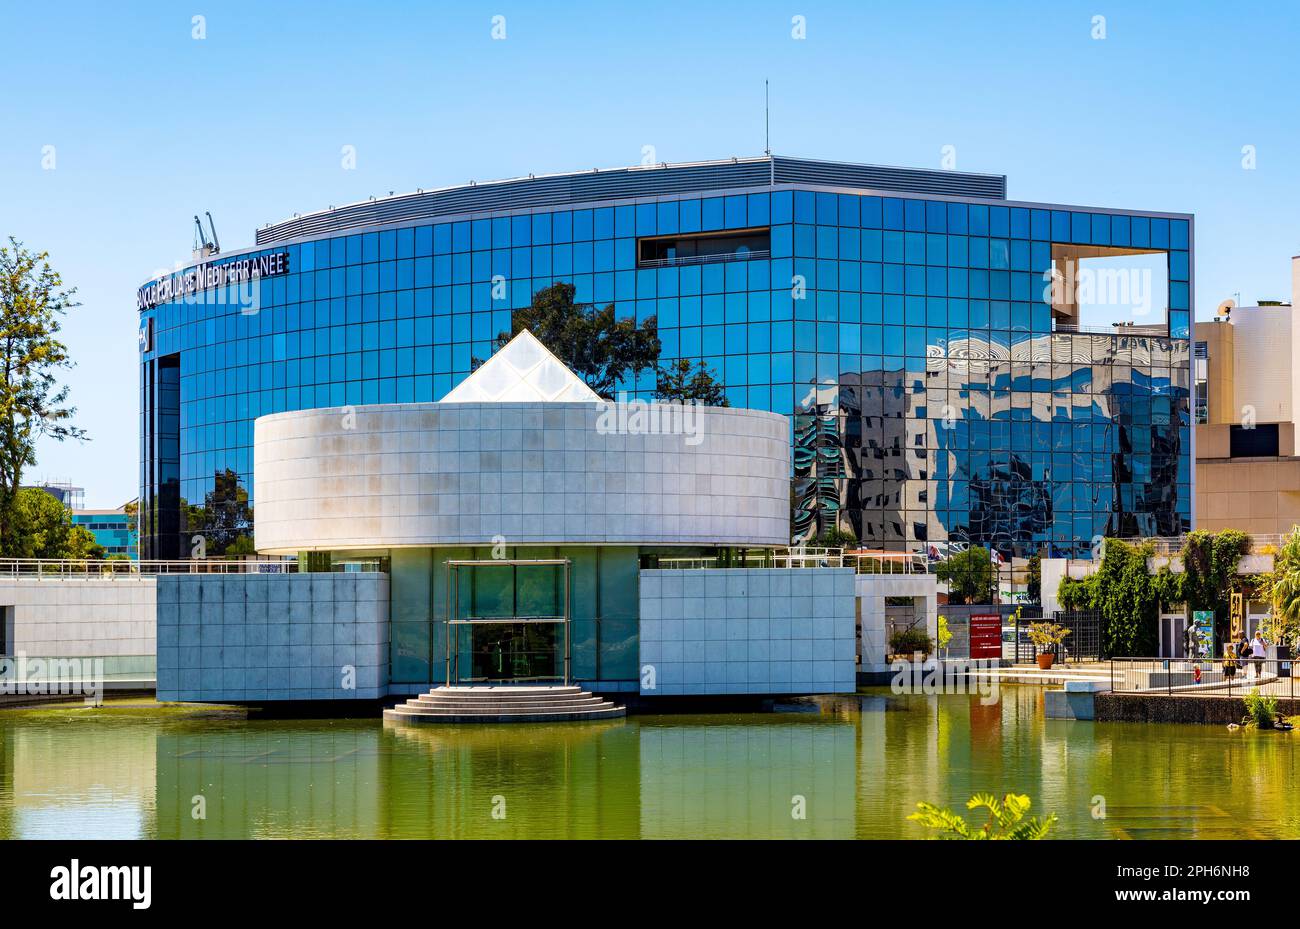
x=515, y=652
x=508, y=621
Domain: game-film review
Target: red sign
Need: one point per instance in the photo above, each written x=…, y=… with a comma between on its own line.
x=986, y=636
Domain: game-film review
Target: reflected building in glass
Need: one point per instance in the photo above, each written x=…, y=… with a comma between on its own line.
x=956, y=367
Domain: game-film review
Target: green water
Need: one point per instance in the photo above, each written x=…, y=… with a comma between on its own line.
x=859, y=764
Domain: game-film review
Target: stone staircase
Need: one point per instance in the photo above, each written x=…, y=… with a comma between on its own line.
x=504, y=704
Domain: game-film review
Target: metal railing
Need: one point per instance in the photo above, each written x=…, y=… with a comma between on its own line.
x=1205, y=677
x=756, y=253
x=861, y=561
x=1116, y=330
x=93, y=568
x=1173, y=545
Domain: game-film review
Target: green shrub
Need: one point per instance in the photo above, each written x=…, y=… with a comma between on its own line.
x=1261, y=711
x=908, y=641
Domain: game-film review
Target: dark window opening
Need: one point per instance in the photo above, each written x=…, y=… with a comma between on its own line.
x=733, y=245
x=1257, y=442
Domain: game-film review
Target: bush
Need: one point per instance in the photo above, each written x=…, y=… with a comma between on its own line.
x=1261, y=711
x=1046, y=636
x=909, y=641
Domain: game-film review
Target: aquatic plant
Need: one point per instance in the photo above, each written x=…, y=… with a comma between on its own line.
x=1261, y=711
x=1006, y=819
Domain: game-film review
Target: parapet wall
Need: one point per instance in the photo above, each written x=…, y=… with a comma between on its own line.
x=79, y=617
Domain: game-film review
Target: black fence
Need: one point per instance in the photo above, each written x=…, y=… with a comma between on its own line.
x=1083, y=643
x=1270, y=678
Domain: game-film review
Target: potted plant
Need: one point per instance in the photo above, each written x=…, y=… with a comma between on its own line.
x=1046, y=636
x=907, y=642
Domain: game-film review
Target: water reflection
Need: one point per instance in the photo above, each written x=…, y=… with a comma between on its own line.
x=842, y=768
x=95, y=778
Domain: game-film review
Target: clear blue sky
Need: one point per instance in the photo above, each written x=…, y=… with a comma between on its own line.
x=150, y=126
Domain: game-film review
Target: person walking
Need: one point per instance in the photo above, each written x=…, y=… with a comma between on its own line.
x=1258, y=652
x=1229, y=663
x=1241, y=649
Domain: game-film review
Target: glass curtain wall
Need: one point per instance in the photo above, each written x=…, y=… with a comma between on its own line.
x=933, y=398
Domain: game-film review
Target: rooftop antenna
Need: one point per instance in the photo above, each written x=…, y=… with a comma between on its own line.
x=767, y=120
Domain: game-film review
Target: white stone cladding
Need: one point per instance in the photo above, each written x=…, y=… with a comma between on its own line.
x=747, y=631
x=260, y=637
x=462, y=473
x=80, y=617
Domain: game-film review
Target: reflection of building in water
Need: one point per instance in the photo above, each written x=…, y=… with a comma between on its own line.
x=357, y=780
x=1026, y=445
x=87, y=781
x=294, y=780
x=776, y=780
x=552, y=781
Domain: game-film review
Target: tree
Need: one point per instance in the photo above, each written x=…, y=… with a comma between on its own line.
x=968, y=574
x=944, y=635
x=241, y=546
x=601, y=349
x=677, y=384
x=42, y=528
x=81, y=544
x=1209, y=574
x=32, y=401
x=1128, y=597
x=1281, y=588
x=1034, y=580
x=224, y=518
x=835, y=537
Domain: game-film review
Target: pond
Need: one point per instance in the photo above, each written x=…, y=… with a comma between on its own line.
x=845, y=767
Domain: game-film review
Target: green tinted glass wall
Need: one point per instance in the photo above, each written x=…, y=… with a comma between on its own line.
x=604, y=604
x=411, y=616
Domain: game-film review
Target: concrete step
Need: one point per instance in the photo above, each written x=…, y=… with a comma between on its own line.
x=613, y=712
x=492, y=703
x=493, y=707
x=521, y=711
x=502, y=701
x=478, y=690
x=502, y=707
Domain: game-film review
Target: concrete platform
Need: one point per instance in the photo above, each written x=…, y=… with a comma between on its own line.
x=1076, y=701
x=498, y=703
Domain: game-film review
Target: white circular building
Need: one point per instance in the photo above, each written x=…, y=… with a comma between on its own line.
x=514, y=516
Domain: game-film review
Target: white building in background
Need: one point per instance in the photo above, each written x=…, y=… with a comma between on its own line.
x=521, y=530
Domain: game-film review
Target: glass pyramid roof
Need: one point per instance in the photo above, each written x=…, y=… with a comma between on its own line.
x=522, y=371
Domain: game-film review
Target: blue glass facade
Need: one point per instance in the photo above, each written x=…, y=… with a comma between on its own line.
x=935, y=392
x=113, y=529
